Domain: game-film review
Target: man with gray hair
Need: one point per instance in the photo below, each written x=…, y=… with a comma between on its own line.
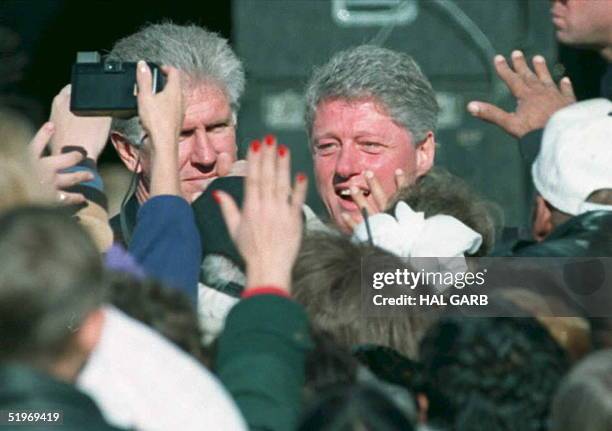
x=370, y=116
x=212, y=81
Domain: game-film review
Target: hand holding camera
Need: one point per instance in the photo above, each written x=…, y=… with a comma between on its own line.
x=161, y=115
x=87, y=133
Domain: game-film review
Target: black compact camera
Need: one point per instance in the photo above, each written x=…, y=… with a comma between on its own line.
x=103, y=88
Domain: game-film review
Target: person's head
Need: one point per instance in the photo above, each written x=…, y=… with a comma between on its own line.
x=213, y=81
x=52, y=285
x=440, y=192
x=18, y=181
x=355, y=408
x=368, y=108
x=572, y=172
x=490, y=373
x=584, y=398
x=586, y=23
x=327, y=282
x=571, y=332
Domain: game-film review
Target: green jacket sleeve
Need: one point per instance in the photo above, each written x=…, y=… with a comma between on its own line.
x=260, y=360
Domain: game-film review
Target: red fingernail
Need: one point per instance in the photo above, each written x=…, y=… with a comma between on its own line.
x=282, y=150
x=300, y=177
x=269, y=140
x=216, y=196
x=255, y=146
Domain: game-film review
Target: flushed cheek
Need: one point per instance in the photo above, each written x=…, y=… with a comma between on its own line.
x=324, y=169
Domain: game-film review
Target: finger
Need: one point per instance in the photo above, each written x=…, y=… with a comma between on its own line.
x=361, y=201
x=541, y=69
x=401, y=180
x=66, y=180
x=62, y=161
x=519, y=63
x=239, y=168
x=511, y=79
x=144, y=81
x=493, y=114
x=268, y=168
x=298, y=196
x=251, y=188
x=224, y=164
x=41, y=139
x=65, y=198
x=378, y=194
x=283, y=172
x=567, y=89
x=351, y=221
x=230, y=212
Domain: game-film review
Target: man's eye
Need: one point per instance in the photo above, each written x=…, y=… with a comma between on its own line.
x=186, y=134
x=216, y=127
x=372, y=146
x=325, y=148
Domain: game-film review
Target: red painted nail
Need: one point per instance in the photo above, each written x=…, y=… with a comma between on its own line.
x=255, y=146
x=216, y=196
x=269, y=140
x=282, y=150
x=300, y=177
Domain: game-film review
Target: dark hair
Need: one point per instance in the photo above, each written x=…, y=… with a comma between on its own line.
x=490, y=373
x=51, y=279
x=440, y=192
x=355, y=408
x=328, y=365
x=166, y=310
x=327, y=282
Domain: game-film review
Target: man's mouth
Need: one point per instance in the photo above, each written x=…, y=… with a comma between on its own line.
x=345, y=193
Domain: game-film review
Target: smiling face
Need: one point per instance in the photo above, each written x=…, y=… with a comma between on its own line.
x=583, y=22
x=351, y=137
x=208, y=131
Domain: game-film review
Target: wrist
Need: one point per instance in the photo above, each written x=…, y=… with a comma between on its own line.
x=261, y=275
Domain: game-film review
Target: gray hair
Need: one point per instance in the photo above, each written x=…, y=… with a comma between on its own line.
x=584, y=398
x=201, y=54
x=392, y=78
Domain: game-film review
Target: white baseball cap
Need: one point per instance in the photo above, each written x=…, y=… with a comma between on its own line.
x=575, y=158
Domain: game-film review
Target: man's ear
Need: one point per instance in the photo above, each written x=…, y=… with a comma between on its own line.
x=425, y=154
x=90, y=331
x=128, y=153
x=542, y=219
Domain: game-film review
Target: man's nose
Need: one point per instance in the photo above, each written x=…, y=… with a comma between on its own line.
x=203, y=152
x=348, y=162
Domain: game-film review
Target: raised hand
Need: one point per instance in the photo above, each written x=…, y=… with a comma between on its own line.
x=161, y=116
x=537, y=96
x=50, y=168
x=88, y=133
x=268, y=229
x=381, y=200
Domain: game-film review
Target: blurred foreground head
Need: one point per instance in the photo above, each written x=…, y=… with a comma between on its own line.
x=51, y=289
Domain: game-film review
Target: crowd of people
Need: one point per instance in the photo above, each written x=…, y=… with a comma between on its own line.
x=217, y=299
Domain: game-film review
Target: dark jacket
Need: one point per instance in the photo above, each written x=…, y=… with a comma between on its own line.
x=24, y=389
x=260, y=360
x=586, y=235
